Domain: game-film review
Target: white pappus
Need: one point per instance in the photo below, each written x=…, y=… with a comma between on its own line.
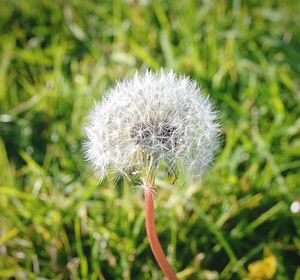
x=149, y=118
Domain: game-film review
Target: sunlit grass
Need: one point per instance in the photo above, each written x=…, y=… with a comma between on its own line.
x=58, y=222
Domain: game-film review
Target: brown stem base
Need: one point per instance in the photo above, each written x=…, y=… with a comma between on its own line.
x=152, y=234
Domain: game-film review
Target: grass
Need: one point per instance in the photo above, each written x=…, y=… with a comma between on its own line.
x=58, y=222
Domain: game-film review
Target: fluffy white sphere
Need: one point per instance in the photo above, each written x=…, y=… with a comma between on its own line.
x=152, y=117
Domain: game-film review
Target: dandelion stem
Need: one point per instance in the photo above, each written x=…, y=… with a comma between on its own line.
x=152, y=234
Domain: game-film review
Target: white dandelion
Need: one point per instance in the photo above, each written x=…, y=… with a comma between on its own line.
x=150, y=118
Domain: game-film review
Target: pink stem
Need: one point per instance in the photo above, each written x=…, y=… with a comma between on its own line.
x=152, y=234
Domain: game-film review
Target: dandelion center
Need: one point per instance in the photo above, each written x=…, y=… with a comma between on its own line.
x=155, y=136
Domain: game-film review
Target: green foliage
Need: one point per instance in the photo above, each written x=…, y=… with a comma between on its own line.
x=58, y=222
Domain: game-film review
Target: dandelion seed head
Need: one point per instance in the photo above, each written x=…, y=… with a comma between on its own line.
x=152, y=115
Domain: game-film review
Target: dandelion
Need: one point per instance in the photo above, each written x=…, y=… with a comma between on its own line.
x=150, y=119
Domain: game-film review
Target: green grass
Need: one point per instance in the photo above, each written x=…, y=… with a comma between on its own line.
x=58, y=222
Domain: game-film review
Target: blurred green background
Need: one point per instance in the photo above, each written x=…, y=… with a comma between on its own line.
x=58, y=222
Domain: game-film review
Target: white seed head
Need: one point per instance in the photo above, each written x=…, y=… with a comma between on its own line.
x=157, y=116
